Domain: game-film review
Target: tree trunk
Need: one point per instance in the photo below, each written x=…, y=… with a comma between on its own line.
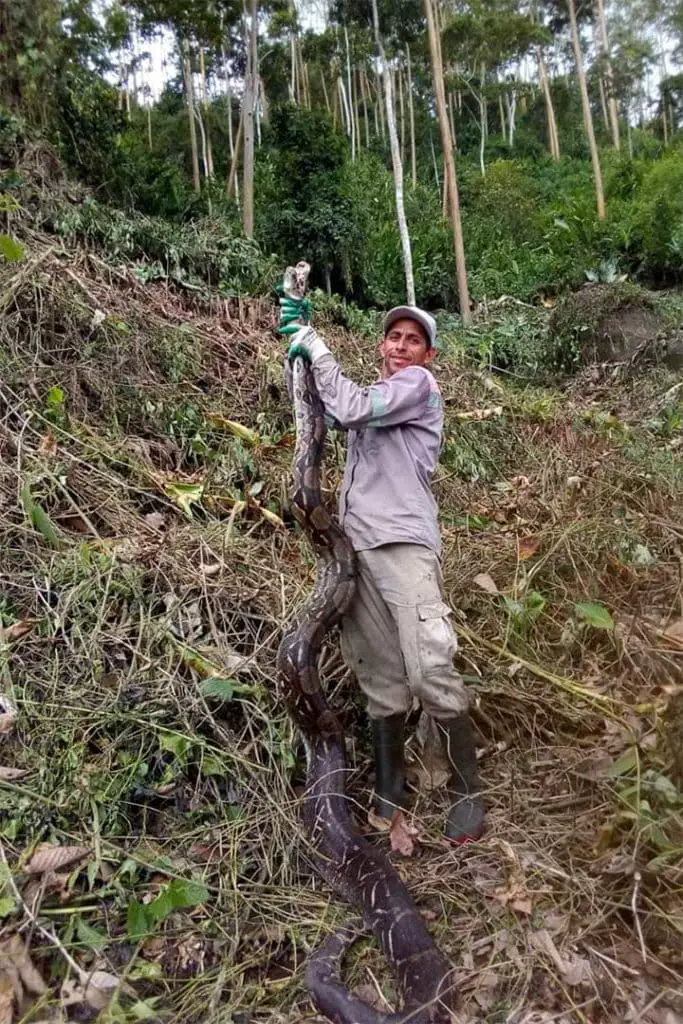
x=366, y=117
x=436, y=166
x=587, y=115
x=501, y=114
x=249, y=105
x=449, y=164
x=603, y=102
x=352, y=121
x=205, y=119
x=411, y=117
x=402, y=109
x=345, y=110
x=511, y=103
x=609, y=77
x=483, y=117
x=292, y=70
x=553, y=139
x=149, y=124
x=451, y=110
x=397, y=165
x=232, y=177
x=379, y=106
x=325, y=95
x=355, y=75
x=189, y=95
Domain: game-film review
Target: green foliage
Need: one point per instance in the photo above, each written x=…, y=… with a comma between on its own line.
x=657, y=219
x=204, y=252
x=302, y=205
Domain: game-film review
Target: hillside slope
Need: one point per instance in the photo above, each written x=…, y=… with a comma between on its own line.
x=149, y=565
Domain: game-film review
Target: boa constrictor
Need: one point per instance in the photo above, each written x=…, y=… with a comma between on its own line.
x=354, y=869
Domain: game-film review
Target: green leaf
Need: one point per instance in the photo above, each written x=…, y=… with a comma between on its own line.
x=185, y=495
x=144, y=1009
x=7, y=905
x=90, y=936
x=623, y=764
x=12, y=250
x=55, y=398
x=178, y=745
x=159, y=909
x=218, y=687
x=187, y=892
x=39, y=518
x=595, y=615
x=137, y=923
x=212, y=765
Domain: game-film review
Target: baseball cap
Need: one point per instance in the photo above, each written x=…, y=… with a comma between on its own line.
x=412, y=313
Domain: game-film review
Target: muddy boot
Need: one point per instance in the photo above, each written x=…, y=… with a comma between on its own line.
x=465, y=820
x=390, y=772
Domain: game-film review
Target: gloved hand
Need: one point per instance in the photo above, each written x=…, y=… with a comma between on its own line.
x=307, y=344
x=294, y=314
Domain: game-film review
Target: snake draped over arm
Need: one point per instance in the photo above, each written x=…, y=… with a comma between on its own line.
x=353, y=867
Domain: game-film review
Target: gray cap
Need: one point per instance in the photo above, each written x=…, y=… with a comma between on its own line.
x=412, y=313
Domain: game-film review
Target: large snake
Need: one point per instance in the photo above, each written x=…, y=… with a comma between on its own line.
x=353, y=868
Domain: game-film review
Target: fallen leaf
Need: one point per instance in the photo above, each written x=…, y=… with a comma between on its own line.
x=48, y=445
x=272, y=518
x=17, y=967
x=402, y=835
x=99, y=989
x=72, y=521
x=10, y=774
x=527, y=547
x=17, y=629
x=95, y=989
x=8, y=716
x=674, y=633
x=238, y=429
x=157, y=520
x=378, y=822
x=485, y=582
x=514, y=893
x=7, y=989
x=476, y=415
x=574, y=969
x=52, y=858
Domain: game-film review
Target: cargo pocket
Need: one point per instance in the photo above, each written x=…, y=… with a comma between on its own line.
x=436, y=640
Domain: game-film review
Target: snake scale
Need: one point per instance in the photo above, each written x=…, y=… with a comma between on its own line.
x=354, y=869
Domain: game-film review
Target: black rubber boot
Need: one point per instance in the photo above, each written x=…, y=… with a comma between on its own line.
x=465, y=820
x=390, y=770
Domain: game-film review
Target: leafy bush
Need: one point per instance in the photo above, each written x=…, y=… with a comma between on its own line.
x=200, y=251
x=657, y=243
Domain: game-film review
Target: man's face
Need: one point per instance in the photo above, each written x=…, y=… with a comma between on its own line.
x=404, y=344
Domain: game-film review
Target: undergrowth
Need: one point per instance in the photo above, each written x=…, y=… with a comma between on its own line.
x=150, y=563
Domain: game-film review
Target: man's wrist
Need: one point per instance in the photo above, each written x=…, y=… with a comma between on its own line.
x=312, y=342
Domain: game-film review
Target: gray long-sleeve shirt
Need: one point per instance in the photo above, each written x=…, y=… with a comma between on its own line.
x=395, y=431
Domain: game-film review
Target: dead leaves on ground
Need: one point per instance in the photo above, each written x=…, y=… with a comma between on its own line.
x=402, y=835
x=8, y=716
x=49, y=858
x=18, y=978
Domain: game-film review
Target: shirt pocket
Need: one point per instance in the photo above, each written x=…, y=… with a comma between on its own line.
x=436, y=639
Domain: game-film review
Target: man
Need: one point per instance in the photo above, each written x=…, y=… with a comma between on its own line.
x=397, y=637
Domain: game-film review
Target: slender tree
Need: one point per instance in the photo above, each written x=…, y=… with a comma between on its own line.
x=587, y=114
x=449, y=162
x=396, y=162
x=249, y=113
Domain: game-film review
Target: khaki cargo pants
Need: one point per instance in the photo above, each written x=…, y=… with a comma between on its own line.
x=397, y=636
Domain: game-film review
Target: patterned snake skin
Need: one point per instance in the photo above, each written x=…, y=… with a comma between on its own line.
x=354, y=869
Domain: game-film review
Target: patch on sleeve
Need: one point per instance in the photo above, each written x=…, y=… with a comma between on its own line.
x=378, y=407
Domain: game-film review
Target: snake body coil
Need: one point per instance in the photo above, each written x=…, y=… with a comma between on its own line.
x=354, y=868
